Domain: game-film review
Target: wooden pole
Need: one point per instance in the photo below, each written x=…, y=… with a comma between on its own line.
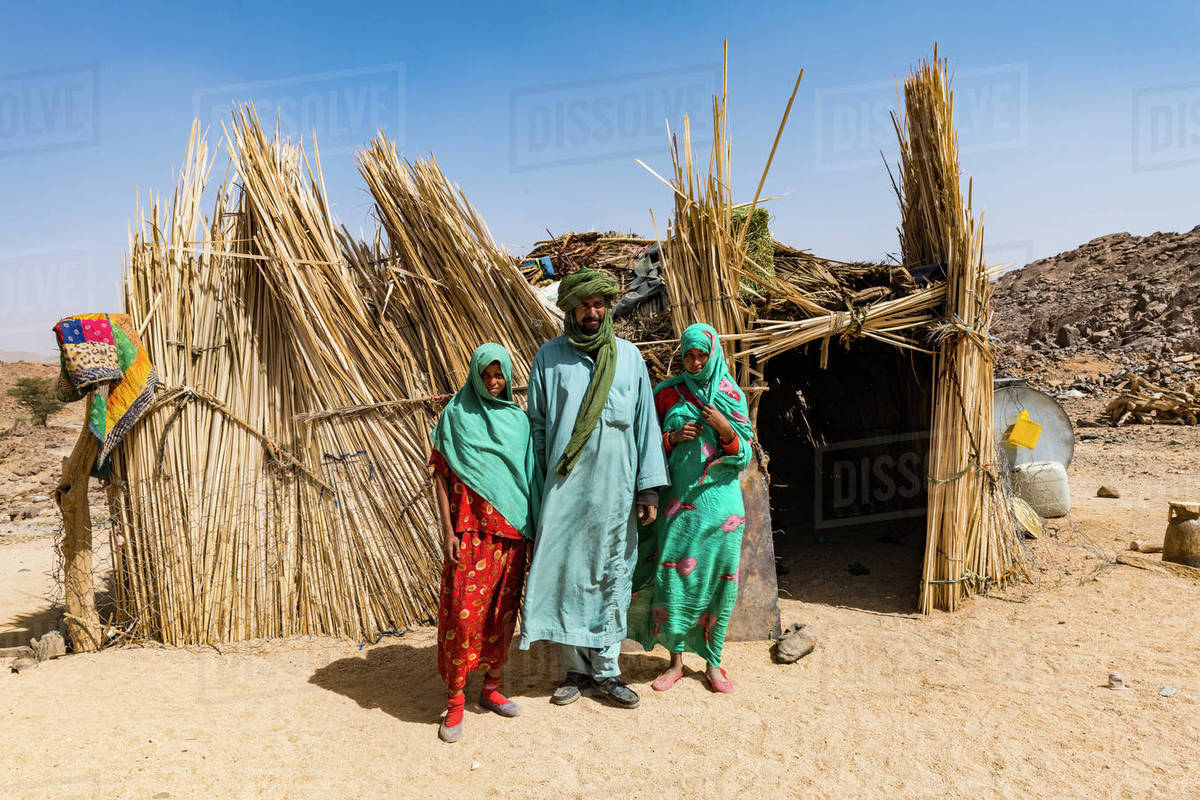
x=83, y=622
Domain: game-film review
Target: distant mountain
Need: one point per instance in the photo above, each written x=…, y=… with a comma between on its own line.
x=32, y=358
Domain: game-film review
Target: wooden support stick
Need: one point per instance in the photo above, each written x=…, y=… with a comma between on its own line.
x=83, y=622
x=1163, y=567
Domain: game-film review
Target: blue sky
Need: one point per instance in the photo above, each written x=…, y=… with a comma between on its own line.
x=1074, y=121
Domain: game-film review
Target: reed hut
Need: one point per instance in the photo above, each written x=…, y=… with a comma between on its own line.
x=278, y=484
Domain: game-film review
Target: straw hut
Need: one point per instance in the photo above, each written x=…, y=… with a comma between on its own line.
x=278, y=485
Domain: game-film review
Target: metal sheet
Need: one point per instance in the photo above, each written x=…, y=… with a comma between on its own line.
x=756, y=615
x=1057, y=442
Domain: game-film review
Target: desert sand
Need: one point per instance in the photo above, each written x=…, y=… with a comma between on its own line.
x=1004, y=698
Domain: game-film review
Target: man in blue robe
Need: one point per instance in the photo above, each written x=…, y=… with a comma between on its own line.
x=597, y=441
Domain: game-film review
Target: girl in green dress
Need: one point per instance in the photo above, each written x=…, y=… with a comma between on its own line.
x=685, y=583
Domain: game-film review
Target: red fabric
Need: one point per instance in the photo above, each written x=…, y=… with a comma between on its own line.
x=663, y=401
x=469, y=512
x=477, y=610
x=455, y=704
x=671, y=395
x=492, y=694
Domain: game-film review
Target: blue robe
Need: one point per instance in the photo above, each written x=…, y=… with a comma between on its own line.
x=579, y=580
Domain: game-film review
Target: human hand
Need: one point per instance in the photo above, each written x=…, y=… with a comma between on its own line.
x=451, y=547
x=713, y=417
x=646, y=513
x=689, y=431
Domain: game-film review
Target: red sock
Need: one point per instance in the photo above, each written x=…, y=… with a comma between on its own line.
x=491, y=691
x=454, y=709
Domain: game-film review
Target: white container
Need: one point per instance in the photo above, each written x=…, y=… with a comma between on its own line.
x=1043, y=484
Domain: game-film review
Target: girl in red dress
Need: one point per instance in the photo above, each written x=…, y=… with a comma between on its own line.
x=483, y=464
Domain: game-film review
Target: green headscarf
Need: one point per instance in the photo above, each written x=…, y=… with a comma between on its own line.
x=712, y=384
x=486, y=442
x=573, y=290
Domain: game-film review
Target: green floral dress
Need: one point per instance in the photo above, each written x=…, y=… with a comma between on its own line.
x=686, y=579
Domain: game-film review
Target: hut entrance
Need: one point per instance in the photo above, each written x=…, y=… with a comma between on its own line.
x=848, y=447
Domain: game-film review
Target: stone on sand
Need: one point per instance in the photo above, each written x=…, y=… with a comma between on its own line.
x=51, y=645
x=24, y=664
x=793, y=644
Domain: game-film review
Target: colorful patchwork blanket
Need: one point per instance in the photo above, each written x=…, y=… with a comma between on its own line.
x=102, y=354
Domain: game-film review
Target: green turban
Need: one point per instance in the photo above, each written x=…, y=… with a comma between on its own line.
x=602, y=345
x=579, y=286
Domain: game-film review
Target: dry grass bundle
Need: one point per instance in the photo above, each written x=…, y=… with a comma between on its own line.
x=707, y=258
x=573, y=251
x=446, y=277
x=278, y=485
x=841, y=285
x=971, y=540
x=886, y=322
x=702, y=281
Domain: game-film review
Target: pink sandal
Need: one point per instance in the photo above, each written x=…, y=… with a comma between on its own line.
x=721, y=686
x=664, y=682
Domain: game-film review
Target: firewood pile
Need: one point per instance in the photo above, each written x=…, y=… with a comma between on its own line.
x=1140, y=401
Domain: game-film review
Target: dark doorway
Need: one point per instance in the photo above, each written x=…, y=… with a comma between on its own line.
x=848, y=447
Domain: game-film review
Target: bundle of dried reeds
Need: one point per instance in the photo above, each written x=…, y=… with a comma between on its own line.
x=448, y=284
x=708, y=266
x=702, y=283
x=971, y=541
x=237, y=521
x=884, y=321
x=278, y=485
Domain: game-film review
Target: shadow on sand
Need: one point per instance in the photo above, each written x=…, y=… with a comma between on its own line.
x=402, y=679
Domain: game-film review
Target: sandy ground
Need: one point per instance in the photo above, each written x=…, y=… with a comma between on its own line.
x=1004, y=698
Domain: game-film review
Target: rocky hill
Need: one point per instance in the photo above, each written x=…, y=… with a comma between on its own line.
x=30, y=455
x=1129, y=302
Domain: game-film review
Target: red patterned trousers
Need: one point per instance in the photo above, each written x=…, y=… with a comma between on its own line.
x=477, y=611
